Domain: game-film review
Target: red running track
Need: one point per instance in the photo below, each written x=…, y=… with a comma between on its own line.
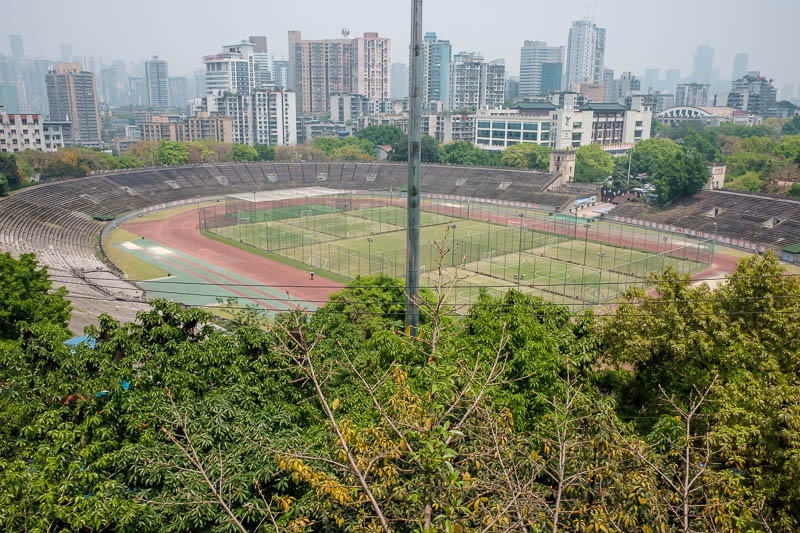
x=180, y=232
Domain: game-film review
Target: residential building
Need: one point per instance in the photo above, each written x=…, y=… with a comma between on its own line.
x=474, y=83
x=672, y=78
x=608, y=85
x=20, y=132
x=664, y=100
x=449, y=127
x=533, y=55
x=691, y=94
x=399, y=81
x=137, y=91
x=436, y=58
x=512, y=88
x=179, y=92
x=319, y=68
x=344, y=108
x=625, y=86
x=12, y=96
x=203, y=125
x=156, y=76
x=261, y=117
x=72, y=95
x=752, y=93
x=595, y=92
x=585, y=53
x=703, y=64
x=740, y=65
x=55, y=133
x=232, y=70
x=111, y=91
x=261, y=66
x=280, y=73
x=652, y=80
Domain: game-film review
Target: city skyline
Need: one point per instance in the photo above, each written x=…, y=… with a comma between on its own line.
x=629, y=47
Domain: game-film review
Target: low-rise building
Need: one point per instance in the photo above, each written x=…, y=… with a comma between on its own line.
x=710, y=116
x=20, y=132
x=449, y=127
x=202, y=126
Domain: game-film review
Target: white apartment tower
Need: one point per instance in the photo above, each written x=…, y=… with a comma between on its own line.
x=157, y=81
x=234, y=70
x=261, y=117
x=586, y=50
x=475, y=84
x=533, y=55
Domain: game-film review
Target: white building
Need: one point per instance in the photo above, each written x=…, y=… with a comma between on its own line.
x=709, y=115
x=233, y=70
x=156, y=76
x=475, y=84
x=586, y=50
x=691, y=94
x=498, y=129
x=533, y=55
x=27, y=132
x=449, y=127
x=261, y=117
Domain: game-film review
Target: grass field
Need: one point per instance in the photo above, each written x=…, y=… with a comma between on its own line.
x=134, y=267
x=371, y=240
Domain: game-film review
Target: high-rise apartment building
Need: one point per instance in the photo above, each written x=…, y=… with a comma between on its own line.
x=586, y=51
x=72, y=95
x=625, y=86
x=533, y=55
x=436, y=57
x=232, y=70
x=156, y=76
x=691, y=94
x=280, y=73
x=203, y=125
x=179, y=91
x=474, y=83
x=319, y=68
x=17, y=48
x=262, y=74
x=753, y=93
x=399, y=81
x=703, y=64
x=260, y=117
x=740, y=65
x=652, y=79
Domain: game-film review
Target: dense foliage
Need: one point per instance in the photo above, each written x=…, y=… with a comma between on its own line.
x=678, y=412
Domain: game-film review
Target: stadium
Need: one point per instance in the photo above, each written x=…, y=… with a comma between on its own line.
x=249, y=234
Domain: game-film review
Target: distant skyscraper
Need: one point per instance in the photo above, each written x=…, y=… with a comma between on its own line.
x=740, y=65
x=179, y=91
x=586, y=51
x=552, y=76
x=512, y=88
x=752, y=92
x=17, y=49
x=473, y=83
x=533, y=55
x=261, y=67
x=608, y=85
x=671, y=79
x=10, y=96
x=280, y=73
x=399, y=81
x=703, y=64
x=436, y=56
x=652, y=78
x=787, y=91
x=259, y=42
x=108, y=86
x=72, y=95
x=157, y=79
x=199, y=83
x=66, y=52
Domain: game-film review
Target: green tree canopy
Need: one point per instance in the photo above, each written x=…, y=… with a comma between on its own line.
x=462, y=153
x=243, y=152
x=172, y=153
x=265, y=152
x=526, y=155
x=8, y=167
x=592, y=164
x=794, y=190
x=430, y=150
x=382, y=135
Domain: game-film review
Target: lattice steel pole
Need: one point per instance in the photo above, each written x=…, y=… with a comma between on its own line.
x=414, y=160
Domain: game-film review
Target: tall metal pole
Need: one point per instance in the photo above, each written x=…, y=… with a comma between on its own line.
x=519, y=254
x=414, y=160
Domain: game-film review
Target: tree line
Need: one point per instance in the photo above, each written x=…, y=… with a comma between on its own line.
x=677, y=411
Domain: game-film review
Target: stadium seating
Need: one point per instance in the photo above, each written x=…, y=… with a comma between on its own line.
x=766, y=221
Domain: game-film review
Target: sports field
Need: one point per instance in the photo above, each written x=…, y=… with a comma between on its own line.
x=564, y=259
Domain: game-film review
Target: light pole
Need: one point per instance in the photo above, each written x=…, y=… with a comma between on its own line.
x=600, y=256
x=453, y=247
x=369, y=254
x=519, y=255
x=630, y=160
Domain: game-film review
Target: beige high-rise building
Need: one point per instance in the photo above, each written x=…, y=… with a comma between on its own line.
x=72, y=95
x=204, y=125
x=320, y=68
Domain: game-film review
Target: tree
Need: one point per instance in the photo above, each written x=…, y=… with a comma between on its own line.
x=350, y=152
x=749, y=181
x=526, y=155
x=327, y=144
x=145, y=151
x=429, y=145
x=265, y=152
x=172, y=153
x=792, y=127
x=462, y=153
x=8, y=167
x=682, y=175
x=703, y=142
x=243, y=152
x=26, y=298
x=382, y=135
x=592, y=164
x=4, y=188
x=794, y=190
x=62, y=168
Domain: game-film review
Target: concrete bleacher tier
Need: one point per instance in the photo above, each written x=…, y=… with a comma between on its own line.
x=768, y=221
x=55, y=219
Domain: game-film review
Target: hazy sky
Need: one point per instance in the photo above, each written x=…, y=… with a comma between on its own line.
x=641, y=33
